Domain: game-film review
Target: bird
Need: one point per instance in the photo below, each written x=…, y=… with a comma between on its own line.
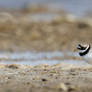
x=85, y=52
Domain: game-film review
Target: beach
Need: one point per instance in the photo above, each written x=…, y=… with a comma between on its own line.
x=52, y=32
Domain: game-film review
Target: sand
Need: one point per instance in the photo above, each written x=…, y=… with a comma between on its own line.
x=45, y=78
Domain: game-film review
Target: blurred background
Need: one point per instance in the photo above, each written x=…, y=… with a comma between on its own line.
x=78, y=7
x=43, y=26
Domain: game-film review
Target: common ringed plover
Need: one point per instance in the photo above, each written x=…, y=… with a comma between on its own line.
x=85, y=52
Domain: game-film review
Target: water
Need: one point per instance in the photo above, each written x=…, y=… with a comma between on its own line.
x=36, y=58
x=47, y=17
x=77, y=7
x=30, y=55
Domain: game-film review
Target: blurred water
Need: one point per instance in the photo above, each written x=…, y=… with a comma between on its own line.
x=30, y=55
x=34, y=58
x=77, y=7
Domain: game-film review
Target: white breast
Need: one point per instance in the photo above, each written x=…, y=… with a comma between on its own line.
x=88, y=57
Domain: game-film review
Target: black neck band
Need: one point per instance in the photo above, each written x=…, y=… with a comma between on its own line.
x=85, y=52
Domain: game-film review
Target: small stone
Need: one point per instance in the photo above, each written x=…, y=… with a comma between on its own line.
x=44, y=79
x=13, y=66
x=9, y=77
x=28, y=83
x=72, y=88
x=62, y=87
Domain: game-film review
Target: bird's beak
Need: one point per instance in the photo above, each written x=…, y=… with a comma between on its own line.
x=77, y=48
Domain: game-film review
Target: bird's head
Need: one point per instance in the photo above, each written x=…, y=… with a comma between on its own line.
x=83, y=50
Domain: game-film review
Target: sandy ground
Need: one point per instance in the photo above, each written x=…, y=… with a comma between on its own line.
x=45, y=78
